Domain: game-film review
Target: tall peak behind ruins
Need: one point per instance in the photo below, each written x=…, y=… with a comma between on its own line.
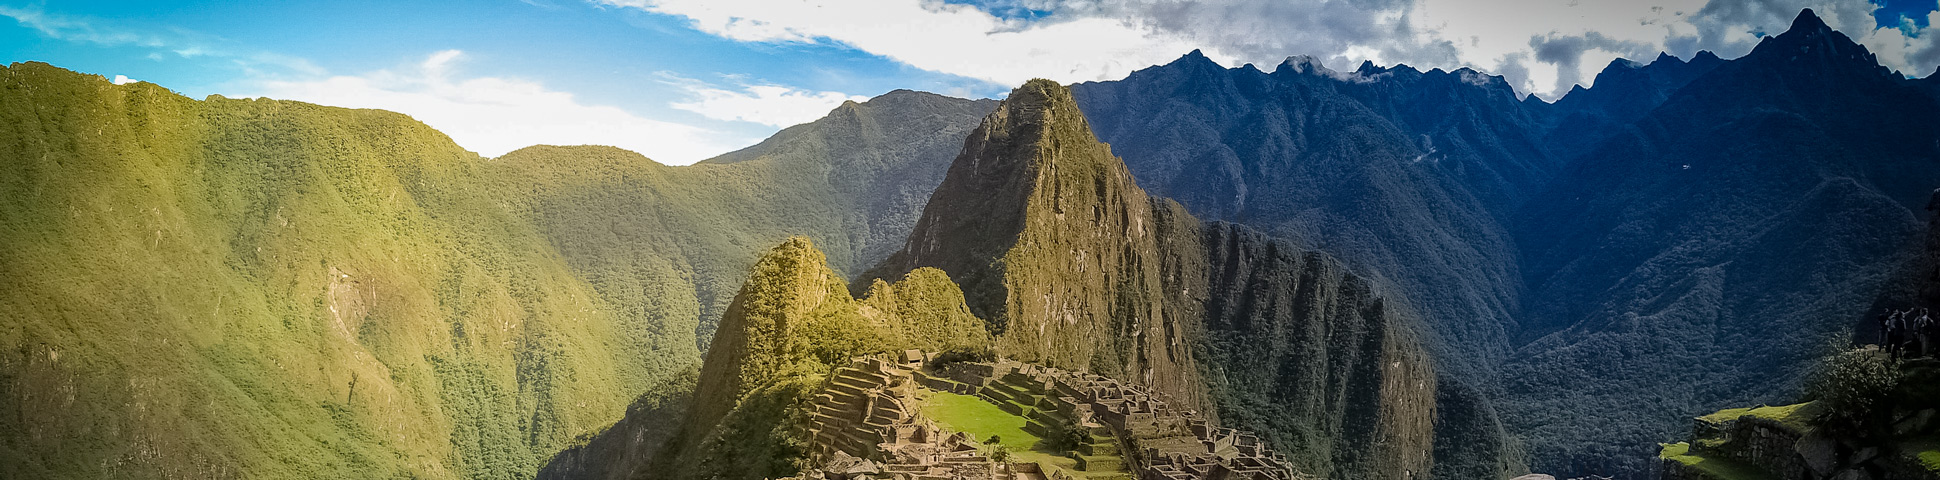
x=1077, y=268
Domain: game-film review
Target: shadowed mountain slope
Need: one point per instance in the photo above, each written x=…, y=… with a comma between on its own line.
x=1625, y=92
x=1705, y=255
x=1405, y=174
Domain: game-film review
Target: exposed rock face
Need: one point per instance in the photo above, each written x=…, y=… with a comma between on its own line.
x=1056, y=245
x=1080, y=269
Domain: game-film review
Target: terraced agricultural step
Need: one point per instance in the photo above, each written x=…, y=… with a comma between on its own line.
x=1046, y=416
x=1014, y=408
x=862, y=377
x=1100, y=463
x=842, y=390
x=1095, y=449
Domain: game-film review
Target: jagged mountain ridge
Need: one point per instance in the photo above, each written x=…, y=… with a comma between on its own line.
x=1625, y=92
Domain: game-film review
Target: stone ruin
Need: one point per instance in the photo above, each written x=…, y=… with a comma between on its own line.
x=867, y=424
x=1172, y=444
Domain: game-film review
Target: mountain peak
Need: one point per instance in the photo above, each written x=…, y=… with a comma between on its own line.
x=1036, y=140
x=1037, y=208
x=1304, y=64
x=1811, y=42
x=1807, y=22
x=1194, y=58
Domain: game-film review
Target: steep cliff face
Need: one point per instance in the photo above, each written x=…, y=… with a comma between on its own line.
x=1309, y=355
x=1408, y=176
x=1087, y=272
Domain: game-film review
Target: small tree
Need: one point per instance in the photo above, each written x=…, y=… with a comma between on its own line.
x=1855, y=389
x=999, y=453
x=1065, y=436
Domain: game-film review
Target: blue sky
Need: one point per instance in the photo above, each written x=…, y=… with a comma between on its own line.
x=682, y=80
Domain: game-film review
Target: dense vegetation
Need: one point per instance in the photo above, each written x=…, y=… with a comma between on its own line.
x=265, y=289
x=1865, y=415
x=1705, y=255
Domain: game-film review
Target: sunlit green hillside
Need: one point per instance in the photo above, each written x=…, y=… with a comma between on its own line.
x=267, y=289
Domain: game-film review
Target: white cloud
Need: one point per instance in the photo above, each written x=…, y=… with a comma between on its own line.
x=492, y=115
x=935, y=36
x=771, y=105
x=1545, y=46
x=124, y=80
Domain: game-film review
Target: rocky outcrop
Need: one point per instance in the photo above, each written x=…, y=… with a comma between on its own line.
x=1784, y=443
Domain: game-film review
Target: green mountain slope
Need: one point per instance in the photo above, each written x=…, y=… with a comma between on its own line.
x=265, y=289
x=277, y=289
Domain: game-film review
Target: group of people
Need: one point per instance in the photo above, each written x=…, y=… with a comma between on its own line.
x=1910, y=333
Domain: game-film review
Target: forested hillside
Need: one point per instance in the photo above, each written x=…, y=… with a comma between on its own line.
x=260, y=288
x=257, y=288
x=1705, y=255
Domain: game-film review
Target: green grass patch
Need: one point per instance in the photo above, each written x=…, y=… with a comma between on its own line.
x=1796, y=416
x=1715, y=468
x=981, y=419
x=1926, y=450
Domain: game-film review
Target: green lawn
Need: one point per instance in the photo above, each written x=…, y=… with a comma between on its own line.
x=966, y=413
x=973, y=415
x=1716, y=468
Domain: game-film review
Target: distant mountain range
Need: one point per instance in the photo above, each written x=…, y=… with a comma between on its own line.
x=260, y=288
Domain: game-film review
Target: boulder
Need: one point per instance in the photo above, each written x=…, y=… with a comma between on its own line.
x=1821, y=454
